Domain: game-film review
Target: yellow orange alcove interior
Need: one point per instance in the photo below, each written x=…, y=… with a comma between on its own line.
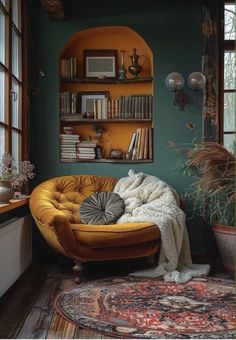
x=117, y=135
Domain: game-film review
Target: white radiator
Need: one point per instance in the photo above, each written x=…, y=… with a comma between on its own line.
x=15, y=250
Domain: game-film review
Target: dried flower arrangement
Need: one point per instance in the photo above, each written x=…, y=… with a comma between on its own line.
x=212, y=168
x=17, y=173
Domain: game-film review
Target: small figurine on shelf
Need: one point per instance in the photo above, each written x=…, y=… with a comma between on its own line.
x=98, y=151
x=135, y=68
x=122, y=70
x=68, y=130
x=99, y=130
x=116, y=153
x=88, y=115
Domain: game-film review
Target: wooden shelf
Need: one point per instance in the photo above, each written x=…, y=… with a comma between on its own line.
x=131, y=96
x=78, y=120
x=14, y=203
x=104, y=160
x=106, y=80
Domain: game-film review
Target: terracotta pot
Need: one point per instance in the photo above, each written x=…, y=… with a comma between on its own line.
x=6, y=191
x=226, y=242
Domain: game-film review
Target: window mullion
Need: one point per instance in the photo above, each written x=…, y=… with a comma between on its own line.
x=3, y=8
x=4, y=67
x=16, y=79
x=16, y=30
x=25, y=100
x=229, y=45
x=221, y=74
x=12, y=123
x=227, y=88
x=10, y=79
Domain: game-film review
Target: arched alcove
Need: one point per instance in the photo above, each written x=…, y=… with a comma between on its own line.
x=109, y=37
x=118, y=129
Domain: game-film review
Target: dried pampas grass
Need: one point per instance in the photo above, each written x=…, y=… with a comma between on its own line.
x=216, y=167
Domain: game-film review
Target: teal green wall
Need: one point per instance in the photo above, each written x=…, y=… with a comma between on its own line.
x=173, y=31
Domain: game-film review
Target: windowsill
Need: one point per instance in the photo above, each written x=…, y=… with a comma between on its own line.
x=14, y=203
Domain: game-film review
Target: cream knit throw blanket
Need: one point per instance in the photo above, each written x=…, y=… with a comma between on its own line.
x=149, y=199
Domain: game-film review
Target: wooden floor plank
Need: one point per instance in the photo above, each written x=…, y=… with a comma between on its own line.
x=18, y=301
x=81, y=333
x=38, y=321
x=28, y=328
x=49, y=289
x=60, y=328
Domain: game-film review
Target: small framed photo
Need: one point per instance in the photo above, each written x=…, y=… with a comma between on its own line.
x=94, y=104
x=100, y=64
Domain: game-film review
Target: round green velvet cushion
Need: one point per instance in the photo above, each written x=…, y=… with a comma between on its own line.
x=102, y=208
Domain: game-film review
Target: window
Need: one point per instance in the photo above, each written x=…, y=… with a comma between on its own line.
x=228, y=77
x=11, y=83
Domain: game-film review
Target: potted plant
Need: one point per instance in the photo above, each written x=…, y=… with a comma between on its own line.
x=13, y=176
x=212, y=167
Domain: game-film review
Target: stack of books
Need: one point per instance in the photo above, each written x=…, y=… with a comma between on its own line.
x=86, y=150
x=141, y=144
x=68, y=145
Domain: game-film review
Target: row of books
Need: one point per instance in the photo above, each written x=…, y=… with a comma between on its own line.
x=134, y=106
x=68, y=67
x=141, y=144
x=69, y=103
x=125, y=107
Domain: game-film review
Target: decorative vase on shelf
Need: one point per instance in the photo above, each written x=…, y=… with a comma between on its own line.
x=122, y=70
x=135, y=68
x=6, y=191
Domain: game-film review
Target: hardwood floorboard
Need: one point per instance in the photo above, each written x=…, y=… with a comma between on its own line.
x=81, y=333
x=18, y=300
x=38, y=322
x=39, y=319
x=30, y=328
x=60, y=328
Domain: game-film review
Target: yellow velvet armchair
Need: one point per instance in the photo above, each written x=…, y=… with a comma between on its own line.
x=54, y=205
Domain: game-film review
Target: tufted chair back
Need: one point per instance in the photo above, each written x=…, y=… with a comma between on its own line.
x=64, y=195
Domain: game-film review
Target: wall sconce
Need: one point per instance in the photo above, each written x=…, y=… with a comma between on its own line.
x=175, y=83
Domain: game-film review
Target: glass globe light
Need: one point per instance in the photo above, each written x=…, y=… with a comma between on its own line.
x=174, y=81
x=196, y=81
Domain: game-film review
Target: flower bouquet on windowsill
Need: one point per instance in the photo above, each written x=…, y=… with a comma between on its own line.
x=13, y=177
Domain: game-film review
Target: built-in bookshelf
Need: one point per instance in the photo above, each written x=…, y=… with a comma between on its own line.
x=109, y=120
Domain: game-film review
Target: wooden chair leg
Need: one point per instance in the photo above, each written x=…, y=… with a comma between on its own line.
x=77, y=269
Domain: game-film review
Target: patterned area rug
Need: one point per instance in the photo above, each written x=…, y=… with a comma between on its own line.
x=130, y=307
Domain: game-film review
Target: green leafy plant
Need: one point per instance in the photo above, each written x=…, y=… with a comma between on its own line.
x=212, y=168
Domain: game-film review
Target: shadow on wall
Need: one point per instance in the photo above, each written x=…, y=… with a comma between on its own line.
x=85, y=9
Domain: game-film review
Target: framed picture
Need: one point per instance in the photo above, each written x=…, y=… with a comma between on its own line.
x=94, y=104
x=100, y=64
